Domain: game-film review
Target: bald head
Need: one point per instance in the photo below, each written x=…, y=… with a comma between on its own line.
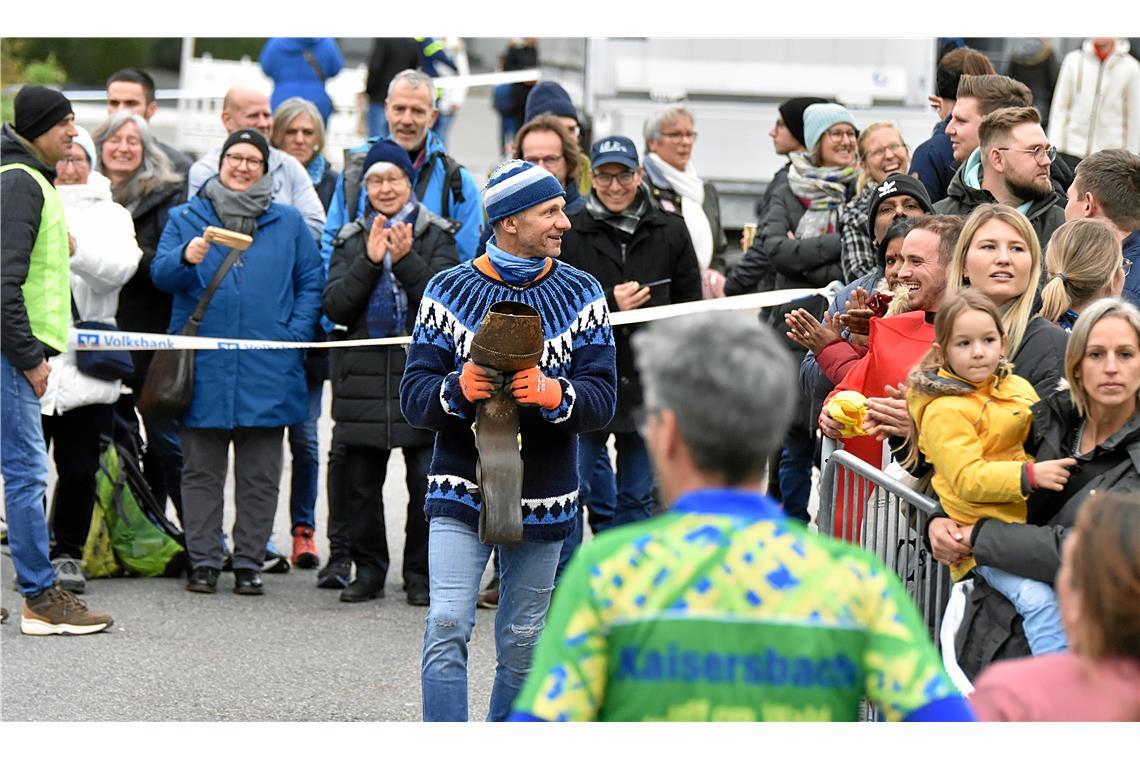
x=247, y=108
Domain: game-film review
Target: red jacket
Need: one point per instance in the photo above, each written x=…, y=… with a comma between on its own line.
x=836, y=359
x=894, y=346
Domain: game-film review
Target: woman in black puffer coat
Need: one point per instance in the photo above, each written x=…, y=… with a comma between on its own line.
x=1104, y=440
x=801, y=236
x=374, y=286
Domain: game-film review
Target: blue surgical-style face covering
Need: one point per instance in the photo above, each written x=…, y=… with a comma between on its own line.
x=514, y=269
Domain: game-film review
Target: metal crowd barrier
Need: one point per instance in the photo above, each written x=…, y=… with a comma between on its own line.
x=889, y=519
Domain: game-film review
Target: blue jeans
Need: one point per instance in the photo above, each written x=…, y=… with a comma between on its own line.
x=24, y=463
x=377, y=121
x=304, y=446
x=1036, y=602
x=795, y=473
x=634, y=499
x=456, y=560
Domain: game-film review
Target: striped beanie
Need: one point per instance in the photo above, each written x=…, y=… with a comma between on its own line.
x=515, y=186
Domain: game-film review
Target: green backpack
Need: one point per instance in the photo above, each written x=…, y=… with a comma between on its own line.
x=129, y=530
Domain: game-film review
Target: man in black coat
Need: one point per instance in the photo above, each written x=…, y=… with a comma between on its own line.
x=642, y=256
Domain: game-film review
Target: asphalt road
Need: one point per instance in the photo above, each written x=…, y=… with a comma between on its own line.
x=295, y=654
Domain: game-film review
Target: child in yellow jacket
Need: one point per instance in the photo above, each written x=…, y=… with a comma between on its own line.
x=971, y=417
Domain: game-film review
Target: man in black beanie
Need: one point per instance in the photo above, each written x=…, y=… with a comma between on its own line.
x=35, y=313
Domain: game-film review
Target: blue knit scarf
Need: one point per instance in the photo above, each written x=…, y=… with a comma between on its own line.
x=387, y=313
x=514, y=270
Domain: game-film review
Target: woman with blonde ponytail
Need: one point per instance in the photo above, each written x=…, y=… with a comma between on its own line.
x=1084, y=264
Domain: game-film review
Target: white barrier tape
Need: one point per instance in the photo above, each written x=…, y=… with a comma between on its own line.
x=117, y=340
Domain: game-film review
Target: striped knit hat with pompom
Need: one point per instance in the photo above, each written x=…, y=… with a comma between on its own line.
x=517, y=185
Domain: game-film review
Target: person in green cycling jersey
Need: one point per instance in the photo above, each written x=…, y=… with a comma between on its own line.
x=722, y=608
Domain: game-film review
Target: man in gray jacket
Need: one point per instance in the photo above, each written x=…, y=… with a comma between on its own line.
x=246, y=108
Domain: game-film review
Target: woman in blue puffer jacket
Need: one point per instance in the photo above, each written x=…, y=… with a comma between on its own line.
x=272, y=292
x=299, y=68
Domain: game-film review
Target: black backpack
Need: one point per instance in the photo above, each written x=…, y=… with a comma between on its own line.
x=452, y=181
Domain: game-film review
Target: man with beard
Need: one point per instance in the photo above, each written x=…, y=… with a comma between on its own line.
x=1010, y=166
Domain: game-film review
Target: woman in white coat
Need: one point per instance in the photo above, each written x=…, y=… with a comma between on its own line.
x=76, y=408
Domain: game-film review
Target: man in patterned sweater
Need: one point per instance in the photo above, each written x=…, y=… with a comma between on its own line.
x=572, y=390
x=723, y=608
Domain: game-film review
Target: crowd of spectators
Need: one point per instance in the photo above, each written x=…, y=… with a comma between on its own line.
x=985, y=313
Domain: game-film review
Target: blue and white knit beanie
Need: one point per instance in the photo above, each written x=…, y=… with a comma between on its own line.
x=821, y=117
x=515, y=186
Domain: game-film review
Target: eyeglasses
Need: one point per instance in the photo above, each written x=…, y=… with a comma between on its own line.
x=70, y=160
x=1126, y=265
x=377, y=180
x=1041, y=151
x=625, y=179
x=236, y=162
x=895, y=147
x=544, y=160
x=679, y=136
x=838, y=134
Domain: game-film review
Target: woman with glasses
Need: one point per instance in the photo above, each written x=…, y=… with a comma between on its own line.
x=145, y=182
x=379, y=267
x=675, y=187
x=800, y=233
x=76, y=408
x=1085, y=265
x=244, y=397
x=882, y=152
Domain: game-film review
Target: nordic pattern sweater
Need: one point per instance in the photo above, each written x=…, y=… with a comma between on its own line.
x=578, y=352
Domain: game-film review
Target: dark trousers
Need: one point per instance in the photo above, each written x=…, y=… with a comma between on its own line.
x=74, y=439
x=258, y=454
x=162, y=454
x=337, y=525
x=361, y=476
x=795, y=472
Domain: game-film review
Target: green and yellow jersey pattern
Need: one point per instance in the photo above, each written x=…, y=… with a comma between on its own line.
x=723, y=610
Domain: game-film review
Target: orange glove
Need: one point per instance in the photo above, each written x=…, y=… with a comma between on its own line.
x=530, y=386
x=478, y=383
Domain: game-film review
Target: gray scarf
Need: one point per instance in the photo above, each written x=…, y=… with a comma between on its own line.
x=239, y=211
x=626, y=221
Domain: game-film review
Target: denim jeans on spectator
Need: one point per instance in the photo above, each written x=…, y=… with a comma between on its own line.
x=634, y=500
x=24, y=463
x=305, y=449
x=457, y=560
x=377, y=121
x=1036, y=602
x=795, y=472
x=162, y=462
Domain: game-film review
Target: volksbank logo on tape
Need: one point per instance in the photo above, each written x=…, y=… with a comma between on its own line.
x=96, y=340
